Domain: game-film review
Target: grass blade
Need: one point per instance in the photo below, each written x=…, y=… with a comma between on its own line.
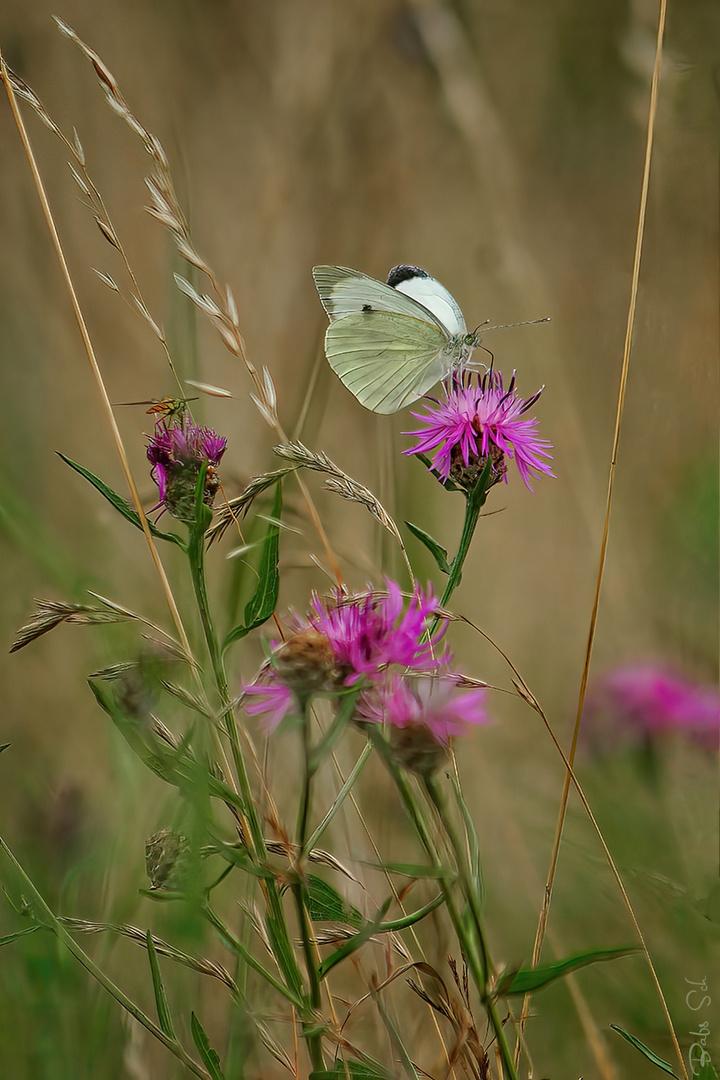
x=161, y=1001
x=210, y=1058
x=645, y=1051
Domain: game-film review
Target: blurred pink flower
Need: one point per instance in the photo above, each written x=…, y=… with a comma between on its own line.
x=648, y=700
x=437, y=702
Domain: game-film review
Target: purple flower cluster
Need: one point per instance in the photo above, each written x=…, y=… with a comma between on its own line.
x=480, y=419
x=177, y=452
x=644, y=701
x=362, y=641
x=369, y=633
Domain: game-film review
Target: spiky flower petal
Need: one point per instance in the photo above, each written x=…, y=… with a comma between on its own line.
x=480, y=419
x=344, y=640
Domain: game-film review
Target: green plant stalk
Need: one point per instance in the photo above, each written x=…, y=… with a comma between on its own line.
x=437, y=798
x=345, y=790
x=478, y=963
x=285, y=956
x=54, y=924
x=301, y=897
x=244, y=953
x=474, y=502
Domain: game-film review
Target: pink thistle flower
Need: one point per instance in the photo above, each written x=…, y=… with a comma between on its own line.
x=438, y=702
x=177, y=452
x=649, y=701
x=424, y=712
x=368, y=633
x=480, y=419
x=343, y=641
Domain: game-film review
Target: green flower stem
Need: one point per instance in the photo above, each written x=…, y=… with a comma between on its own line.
x=301, y=896
x=308, y=772
x=54, y=924
x=280, y=936
x=474, y=502
x=437, y=798
x=311, y=1032
x=445, y=878
x=478, y=962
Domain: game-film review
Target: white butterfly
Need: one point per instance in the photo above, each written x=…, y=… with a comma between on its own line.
x=390, y=343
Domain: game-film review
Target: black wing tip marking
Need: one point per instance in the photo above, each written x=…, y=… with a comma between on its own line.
x=403, y=272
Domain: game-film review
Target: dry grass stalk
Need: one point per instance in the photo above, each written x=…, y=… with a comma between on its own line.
x=342, y=484
x=221, y=308
x=133, y=933
x=52, y=613
x=228, y=513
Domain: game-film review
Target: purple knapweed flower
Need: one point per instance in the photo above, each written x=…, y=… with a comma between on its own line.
x=345, y=640
x=423, y=713
x=480, y=419
x=367, y=633
x=646, y=700
x=177, y=452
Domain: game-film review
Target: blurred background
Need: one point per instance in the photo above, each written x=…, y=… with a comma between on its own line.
x=500, y=145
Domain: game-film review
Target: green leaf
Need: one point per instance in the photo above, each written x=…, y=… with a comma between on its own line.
x=414, y=917
x=525, y=980
x=354, y=943
x=645, y=1051
x=447, y=484
x=342, y=718
x=357, y=1070
x=438, y=553
x=706, y=1071
x=4, y=746
x=18, y=934
x=121, y=505
x=161, y=1001
x=210, y=1058
x=326, y=903
x=473, y=843
x=176, y=767
x=476, y=498
x=282, y=950
x=262, y=603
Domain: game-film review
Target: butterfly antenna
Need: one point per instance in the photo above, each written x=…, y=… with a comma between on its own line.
x=507, y=326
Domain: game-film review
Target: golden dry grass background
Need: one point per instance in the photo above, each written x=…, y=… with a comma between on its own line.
x=499, y=145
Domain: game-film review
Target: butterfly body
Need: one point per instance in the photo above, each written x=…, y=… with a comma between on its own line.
x=390, y=342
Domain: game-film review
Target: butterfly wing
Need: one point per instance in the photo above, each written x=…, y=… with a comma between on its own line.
x=345, y=292
x=386, y=359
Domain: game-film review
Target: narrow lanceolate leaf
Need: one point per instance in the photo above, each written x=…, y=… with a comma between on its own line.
x=326, y=904
x=121, y=505
x=438, y=553
x=209, y=1057
x=262, y=603
x=645, y=1051
x=356, y=1070
x=526, y=980
x=18, y=934
x=355, y=942
x=161, y=1001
